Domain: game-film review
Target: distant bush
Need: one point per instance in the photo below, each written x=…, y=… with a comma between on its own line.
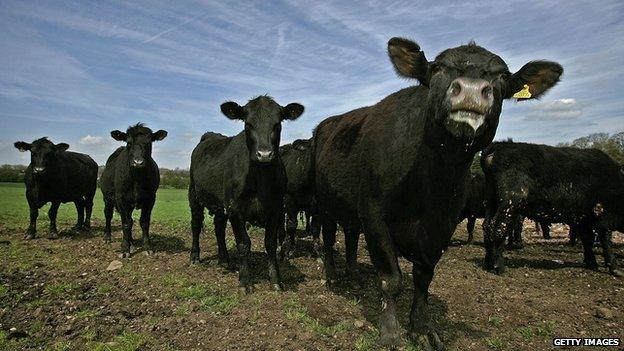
x=612, y=145
x=174, y=178
x=12, y=173
x=169, y=178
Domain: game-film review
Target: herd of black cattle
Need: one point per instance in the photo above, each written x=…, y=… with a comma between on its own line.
x=397, y=171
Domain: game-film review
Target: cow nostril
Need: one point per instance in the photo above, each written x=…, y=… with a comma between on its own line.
x=455, y=88
x=486, y=92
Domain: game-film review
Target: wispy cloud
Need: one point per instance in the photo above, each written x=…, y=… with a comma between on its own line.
x=560, y=109
x=70, y=69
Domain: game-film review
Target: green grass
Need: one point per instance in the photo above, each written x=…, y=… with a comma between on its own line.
x=297, y=312
x=546, y=329
x=127, y=341
x=495, y=343
x=210, y=298
x=495, y=321
x=61, y=289
x=171, y=209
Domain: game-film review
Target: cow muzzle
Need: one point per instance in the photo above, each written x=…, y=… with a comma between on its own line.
x=470, y=99
x=264, y=156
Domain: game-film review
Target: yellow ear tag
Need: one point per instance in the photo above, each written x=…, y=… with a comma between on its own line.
x=523, y=94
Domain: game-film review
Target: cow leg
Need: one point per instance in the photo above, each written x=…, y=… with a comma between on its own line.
x=605, y=237
x=243, y=246
x=308, y=229
x=587, y=238
x=352, y=238
x=88, y=211
x=52, y=215
x=515, y=238
x=80, y=209
x=220, y=222
x=144, y=221
x=197, y=222
x=329, y=239
x=270, y=245
x=108, y=217
x=315, y=227
x=126, y=225
x=470, y=228
x=496, y=229
x=573, y=235
x=384, y=258
x=545, y=229
x=291, y=230
x=420, y=327
x=32, y=227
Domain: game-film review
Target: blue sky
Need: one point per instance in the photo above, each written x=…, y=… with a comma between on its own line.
x=74, y=71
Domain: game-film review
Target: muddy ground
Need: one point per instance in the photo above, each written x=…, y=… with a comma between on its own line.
x=59, y=295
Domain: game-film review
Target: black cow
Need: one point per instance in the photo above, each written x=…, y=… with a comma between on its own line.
x=583, y=188
x=129, y=181
x=299, y=197
x=242, y=178
x=473, y=208
x=399, y=167
x=58, y=176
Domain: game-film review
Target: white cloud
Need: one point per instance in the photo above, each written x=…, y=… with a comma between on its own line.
x=91, y=140
x=560, y=109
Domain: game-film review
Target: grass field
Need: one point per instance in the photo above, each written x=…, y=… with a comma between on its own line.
x=171, y=208
x=59, y=295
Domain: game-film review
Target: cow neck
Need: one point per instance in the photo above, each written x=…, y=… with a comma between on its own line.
x=264, y=178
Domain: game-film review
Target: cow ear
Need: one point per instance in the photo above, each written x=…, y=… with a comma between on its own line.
x=533, y=80
x=408, y=60
x=300, y=145
x=22, y=146
x=291, y=111
x=61, y=147
x=233, y=110
x=159, y=135
x=119, y=135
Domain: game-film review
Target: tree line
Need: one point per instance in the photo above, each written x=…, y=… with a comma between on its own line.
x=611, y=144
x=169, y=178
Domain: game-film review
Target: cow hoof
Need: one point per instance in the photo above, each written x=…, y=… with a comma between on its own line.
x=107, y=240
x=277, y=287
x=53, y=235
x=195, y=261
x=616, y=272
x=429, y=342
x=246, y=290
x=77, y=228
x=389, y=340
x=124, y=255
x=329, y=283
x=194, y=258
x=29, y=236
x=592, y=267
x=225, y=264
x=149, y=252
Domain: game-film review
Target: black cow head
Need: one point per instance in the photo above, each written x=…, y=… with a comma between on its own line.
x=468, y=84
x=263, y=124
x=139, y=140
x=42, y=153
